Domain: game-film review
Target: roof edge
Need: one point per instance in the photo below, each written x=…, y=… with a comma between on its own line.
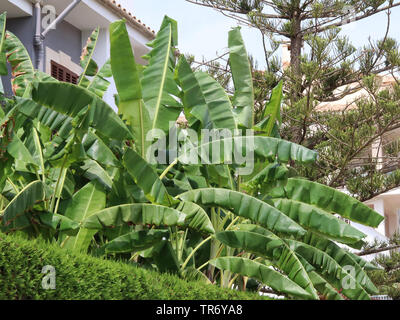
x=132, y=20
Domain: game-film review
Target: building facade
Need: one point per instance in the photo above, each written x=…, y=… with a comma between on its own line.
x=63, y=45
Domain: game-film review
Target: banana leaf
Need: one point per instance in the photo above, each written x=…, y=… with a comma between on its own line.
x=132, y=214
x=318, y=220
x=100, y=115
x=331, y=200
x=14, y=217
x=216, y=116
x=3, y=58
x=343, y=258
x=272, y=112
x=329, y=269
x=243, y=99
x=245, y=206
x=158, y=84
x=22, y=68
x=218, y=151
x=88, y=65
x=275, y=250
x=266, y=275
x=135, y=241
x=88, y=200
x=196, y=217
x=327, y=291
x=127, y=81
x=147, y=179
x=99, y=84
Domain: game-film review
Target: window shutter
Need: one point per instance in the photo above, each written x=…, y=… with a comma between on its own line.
x=63, y=74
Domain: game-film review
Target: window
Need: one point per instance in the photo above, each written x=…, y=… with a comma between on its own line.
x=63, y=74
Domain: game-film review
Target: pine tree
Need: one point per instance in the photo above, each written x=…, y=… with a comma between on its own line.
x=321, y=61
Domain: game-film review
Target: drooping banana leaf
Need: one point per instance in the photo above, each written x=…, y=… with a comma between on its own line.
x=138, y=213
x=196, y=217
x=274, y=249
x=327, y=291
x=93, y=171
x=214, y=116
x=88, y=65
x=343, y=258
x=362, y=263
x=330, y=270
x=158, y=84
x=70, y=100
x=127, y=81
x=243, y=99
x=99, y=83
x=19, y=152
x=96, y=149
x=53, y=220
x=3, y=58
x=266, y=275
x=225, y=150
x=21, y=64
x=245, y=206
x=318, y=220
x=147, y=179
x=136, y=241
x=331, y=200
x=14, y=216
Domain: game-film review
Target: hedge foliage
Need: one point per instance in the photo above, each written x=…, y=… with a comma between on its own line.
x=83, y=277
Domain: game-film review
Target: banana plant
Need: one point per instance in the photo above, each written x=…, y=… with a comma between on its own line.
x=77, y=173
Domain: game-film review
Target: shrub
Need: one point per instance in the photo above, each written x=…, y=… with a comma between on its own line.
x=83, y=277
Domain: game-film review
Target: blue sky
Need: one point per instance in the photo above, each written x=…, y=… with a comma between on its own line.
x=204, y=32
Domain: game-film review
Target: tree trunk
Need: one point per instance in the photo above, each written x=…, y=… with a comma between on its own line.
x=296, y=42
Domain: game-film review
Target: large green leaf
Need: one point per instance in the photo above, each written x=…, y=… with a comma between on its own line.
x=3, y=58
x=21, y=64
x=272, y=248
x=94, y=171
x=243, y=100
x=89, y=66
x=220, y=151
x=323, y=287
x=318, y=220
x=99, y=83
x=136, y=241
x=138, y=213
x=70, y=100
x=14, y=217
x=196, y=217
x=19, y=152
x=88, y=200
x=343, y=258
x=266, y=275
x=217, y=115
x=127, y=81
x=96, y=149
x=272, y=111
x=245, y=206
x=146, y=178
x=331, y=200
x=158, y=84
x=330, y=270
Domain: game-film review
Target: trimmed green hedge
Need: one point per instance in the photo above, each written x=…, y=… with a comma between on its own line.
x=83, y=277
